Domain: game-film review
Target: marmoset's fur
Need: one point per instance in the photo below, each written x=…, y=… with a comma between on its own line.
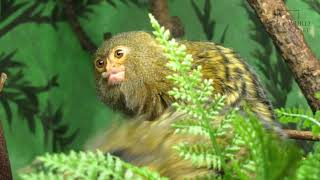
x=151, y=144
x=131, y=78
x=131, y=75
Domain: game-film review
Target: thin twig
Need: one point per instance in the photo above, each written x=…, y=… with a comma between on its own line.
x=301, y=135
x=5, y=169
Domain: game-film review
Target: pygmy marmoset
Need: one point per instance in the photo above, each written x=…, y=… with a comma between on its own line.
x=131, y=75
x=131, y=78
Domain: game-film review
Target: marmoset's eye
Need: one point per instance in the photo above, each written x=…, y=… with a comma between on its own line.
x=99, y=63
x=118, y=53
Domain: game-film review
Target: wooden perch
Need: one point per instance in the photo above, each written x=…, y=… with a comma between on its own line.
x=5, y=169
x=159, y=8
x=289, y=39
x=85, y=41
x=301, y=135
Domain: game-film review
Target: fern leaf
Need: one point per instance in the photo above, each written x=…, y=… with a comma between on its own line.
x=310, y=167
x=87, y=165
x=300, y=116
x=201, y=155
x=191, y=127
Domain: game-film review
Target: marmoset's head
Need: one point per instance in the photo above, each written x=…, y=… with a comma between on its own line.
x=130, y=72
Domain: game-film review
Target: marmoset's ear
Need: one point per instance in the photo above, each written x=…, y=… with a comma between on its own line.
x=107, y=36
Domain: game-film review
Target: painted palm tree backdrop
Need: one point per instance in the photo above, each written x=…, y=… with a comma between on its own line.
x=49, y=101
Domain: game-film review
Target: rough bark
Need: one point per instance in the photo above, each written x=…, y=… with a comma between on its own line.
x=289, y=38
x=159, y=8
x=5, y=169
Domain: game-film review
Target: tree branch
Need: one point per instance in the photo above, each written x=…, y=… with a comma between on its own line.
x=159, y=8
x=85, y=41
x=5, y=169
x=289, y=39
x=301, y=135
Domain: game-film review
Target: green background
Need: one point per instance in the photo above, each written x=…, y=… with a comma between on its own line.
x=47, y=50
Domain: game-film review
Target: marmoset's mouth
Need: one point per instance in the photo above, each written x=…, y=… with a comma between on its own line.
x=114, y=77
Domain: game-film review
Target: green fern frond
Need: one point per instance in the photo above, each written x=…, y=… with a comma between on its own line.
x=191, y=91
x=272, y=158
x=234, y=147
x=217, y=105
x=87, y=165
x=209, y=176
x=310, y=167
x=41, y=176
x=292, y=114
x=201, y=155
x=248, y=166
x=305, y=118
x=191, y=127
x=226, y=124
x=252, y=134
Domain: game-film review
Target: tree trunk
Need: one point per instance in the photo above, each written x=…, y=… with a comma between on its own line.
x=289, y=38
